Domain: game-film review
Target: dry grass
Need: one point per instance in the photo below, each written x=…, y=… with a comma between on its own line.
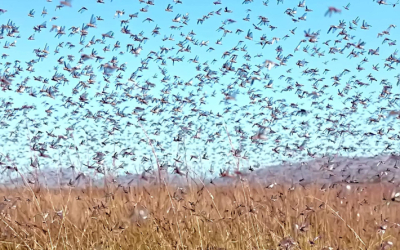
x=235, y=216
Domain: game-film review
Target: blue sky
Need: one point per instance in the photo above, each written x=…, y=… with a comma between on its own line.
x=379, y=17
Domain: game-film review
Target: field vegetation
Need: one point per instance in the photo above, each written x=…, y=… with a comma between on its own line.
x=234, y=215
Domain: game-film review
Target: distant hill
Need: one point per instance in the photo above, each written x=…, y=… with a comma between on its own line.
x=321, y=170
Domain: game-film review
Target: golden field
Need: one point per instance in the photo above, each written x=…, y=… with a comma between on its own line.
x=235, y=215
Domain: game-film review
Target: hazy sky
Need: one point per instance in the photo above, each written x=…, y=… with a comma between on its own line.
x=378, y=16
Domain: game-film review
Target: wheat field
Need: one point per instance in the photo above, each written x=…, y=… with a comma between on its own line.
x=235, y=215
